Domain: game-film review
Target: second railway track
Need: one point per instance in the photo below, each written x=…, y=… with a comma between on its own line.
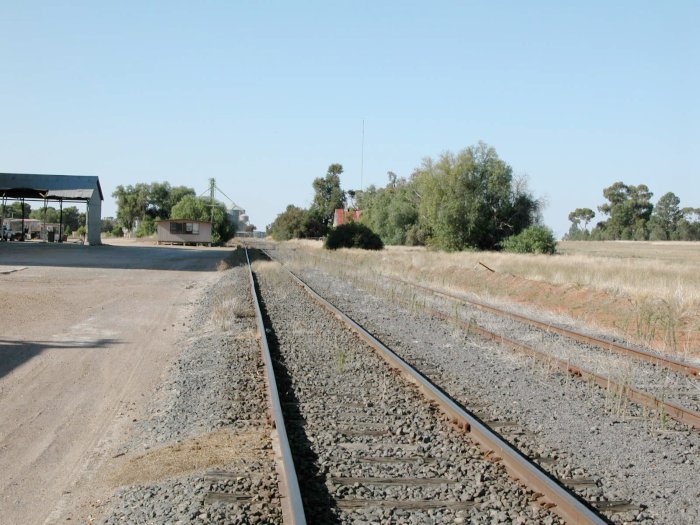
x=654, y=381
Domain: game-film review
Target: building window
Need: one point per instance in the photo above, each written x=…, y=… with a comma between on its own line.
x=184, y=228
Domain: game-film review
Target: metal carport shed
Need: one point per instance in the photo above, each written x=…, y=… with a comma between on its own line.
x=61, y=188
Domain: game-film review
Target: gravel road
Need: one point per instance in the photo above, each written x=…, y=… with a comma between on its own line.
x=610, y=449
x=134, y=368
x=87, y=332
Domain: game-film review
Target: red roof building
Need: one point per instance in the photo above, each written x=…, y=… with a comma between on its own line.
x=344, y=216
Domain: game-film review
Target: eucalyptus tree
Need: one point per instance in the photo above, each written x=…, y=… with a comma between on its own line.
x=471, y=200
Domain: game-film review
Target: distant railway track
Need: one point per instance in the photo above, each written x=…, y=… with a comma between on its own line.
x=380, y=447
x=638, y=353
x=641, y=354
x=673, y=410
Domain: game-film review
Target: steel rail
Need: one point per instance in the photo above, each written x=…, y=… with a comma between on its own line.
x=677, y=412
x=672, y=410
x=676, y=365
x=292, y=505
x=638, y=353
x=550, y=492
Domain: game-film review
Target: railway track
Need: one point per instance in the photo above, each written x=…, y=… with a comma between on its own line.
x=367, y=446
x=676, y=365
x=680, y=404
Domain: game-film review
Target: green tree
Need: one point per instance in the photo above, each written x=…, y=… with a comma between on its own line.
x=392, y=212
x=146, y=203
x=73, y=218
x=314, y=225
x=327, y=195
x=146, y=226
x=162, y=197
x=199, y=209
x=629, y=209
x=132, y=202
x=666, y=218
x=535, y=239
x=689, y=226
x=17, y=210
x=353, y=235
x=577, y=216
x=50, y=215
x=470, y=200
x=290, y=224
x=582, y=214
x=107, y=224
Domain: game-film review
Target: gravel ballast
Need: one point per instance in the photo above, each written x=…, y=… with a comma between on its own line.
x=614, y=450
x=202, y=453
x=359, y=432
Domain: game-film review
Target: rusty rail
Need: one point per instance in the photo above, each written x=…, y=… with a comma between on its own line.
x=676, y=365
x=292, y=505
x=643, y=355
x=677, y=412
x=551, y=493
x=674, y=411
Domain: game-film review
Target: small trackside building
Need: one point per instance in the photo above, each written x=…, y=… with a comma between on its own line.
x=183, y=231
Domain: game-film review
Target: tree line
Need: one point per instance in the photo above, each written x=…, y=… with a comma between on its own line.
x=144, y=204
x=73, y=219
x=630, y=215
x=468, y=200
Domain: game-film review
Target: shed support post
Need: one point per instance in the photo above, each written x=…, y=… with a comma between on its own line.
x=93, y=219
x=22, y=236
x=60, y=221
x=2, y=218
x=44, y=228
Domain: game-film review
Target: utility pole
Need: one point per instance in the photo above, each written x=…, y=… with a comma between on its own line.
x=212, y=191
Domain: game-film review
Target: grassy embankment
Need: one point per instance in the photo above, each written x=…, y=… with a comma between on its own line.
x=648, y=292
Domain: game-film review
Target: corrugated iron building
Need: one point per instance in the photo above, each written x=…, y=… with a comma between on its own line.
x=183, y=231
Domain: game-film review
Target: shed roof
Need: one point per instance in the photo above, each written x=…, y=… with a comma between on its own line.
x=33, y=186
x=182, y=220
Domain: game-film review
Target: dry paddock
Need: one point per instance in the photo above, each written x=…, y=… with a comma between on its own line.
x=86, y=333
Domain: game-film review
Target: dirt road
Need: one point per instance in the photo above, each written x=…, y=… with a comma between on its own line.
x=85, y=335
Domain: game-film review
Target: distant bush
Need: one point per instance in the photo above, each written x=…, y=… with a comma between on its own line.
x=81, y=231
x=146, y=227
x=117, y=231
x=353, y=235
x=535, y=239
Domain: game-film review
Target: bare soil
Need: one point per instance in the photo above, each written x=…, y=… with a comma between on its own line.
x=87, y=333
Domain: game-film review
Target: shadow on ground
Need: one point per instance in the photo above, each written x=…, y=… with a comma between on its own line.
x=16, y=353
x=318, y=503
x=111, y=257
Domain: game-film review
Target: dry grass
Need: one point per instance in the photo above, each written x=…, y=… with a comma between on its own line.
x=271, y=270
x=649, y=292
x=203, y=452
x=228, y=304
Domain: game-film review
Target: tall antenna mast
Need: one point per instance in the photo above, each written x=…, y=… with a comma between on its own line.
x=362, y=159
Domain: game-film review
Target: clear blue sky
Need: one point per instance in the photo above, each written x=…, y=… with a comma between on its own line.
x=263, y=96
